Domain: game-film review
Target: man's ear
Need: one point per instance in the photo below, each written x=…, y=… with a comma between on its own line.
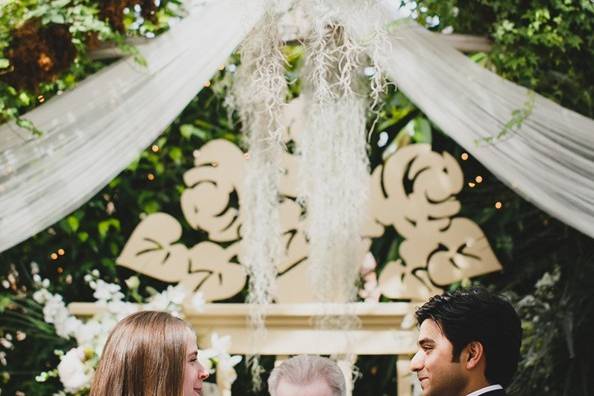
x=474, y=352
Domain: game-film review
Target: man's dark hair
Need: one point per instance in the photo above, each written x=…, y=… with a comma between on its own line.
x=477, y=315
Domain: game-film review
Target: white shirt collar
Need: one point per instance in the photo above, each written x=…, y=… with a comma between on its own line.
x=485, y=390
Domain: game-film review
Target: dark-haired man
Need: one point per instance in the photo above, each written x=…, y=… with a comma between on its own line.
x=469, y=344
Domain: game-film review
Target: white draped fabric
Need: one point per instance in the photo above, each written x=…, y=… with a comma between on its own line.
x=94, y=131
x=549, y=160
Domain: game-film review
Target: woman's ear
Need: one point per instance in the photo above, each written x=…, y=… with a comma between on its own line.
x=474, y=354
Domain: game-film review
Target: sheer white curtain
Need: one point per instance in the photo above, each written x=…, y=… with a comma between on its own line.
x=549, y=160
x=94, y=131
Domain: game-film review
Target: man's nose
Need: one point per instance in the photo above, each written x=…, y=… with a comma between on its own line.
x=416, y=363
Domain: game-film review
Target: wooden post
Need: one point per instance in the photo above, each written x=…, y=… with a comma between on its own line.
x=403, y=376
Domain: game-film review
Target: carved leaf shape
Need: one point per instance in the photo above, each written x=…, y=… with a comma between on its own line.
x=151, y=249
x=399, y=282
x=213, y=273
x=465, y=253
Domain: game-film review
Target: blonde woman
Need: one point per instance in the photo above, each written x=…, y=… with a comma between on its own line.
x=150, y=354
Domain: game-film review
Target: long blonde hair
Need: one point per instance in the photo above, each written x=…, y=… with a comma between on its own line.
x=144, y=355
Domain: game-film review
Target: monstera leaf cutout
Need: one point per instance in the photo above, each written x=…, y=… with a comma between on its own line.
x=464, y=252
x=400, y=282
x=151, y=249
x=213, y=273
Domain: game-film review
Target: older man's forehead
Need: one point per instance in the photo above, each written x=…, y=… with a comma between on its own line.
x=316, y=387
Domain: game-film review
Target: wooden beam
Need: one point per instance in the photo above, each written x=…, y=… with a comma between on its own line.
x=467, y=43
x=113, y=52
x=462, y=42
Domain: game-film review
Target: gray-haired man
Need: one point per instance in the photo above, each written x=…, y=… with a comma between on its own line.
x=307, y=375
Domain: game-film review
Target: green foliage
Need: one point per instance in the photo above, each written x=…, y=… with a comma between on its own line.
x=544, y=45
x=515, y=123
x=83, y=21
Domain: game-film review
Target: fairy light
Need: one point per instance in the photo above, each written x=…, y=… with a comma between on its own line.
x=150, y=177
x=54, y=256
x=61, y=252
x=464, y=156
x=41, y=98
x=207, y=84
x=155, y=148
x=471, y=184
x=59, y=270
x=498, y=205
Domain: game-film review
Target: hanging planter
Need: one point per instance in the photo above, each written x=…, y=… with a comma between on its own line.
x=38, y=54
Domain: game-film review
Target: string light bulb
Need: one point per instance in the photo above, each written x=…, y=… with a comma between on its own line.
x=478, y=179
x=54, y=256
x=471, y=184
x=498, y=205
x=155, y=148
x=150, y=177
x=464, y=156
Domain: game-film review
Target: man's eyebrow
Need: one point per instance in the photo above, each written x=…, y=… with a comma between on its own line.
x=426, y=341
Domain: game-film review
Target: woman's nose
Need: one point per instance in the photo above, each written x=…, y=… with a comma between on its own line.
x=203, y=374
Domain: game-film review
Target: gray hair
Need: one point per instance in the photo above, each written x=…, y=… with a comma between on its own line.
x=305, y=369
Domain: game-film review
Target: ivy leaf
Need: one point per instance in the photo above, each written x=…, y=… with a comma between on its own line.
x=422, y=131
x=58, y=19
x=24, y=99
x=176, y=155
x=83, y=236
x=5, y=302
x=105, y=225
x=73, y=223
x=60, y=3
x=189, y=130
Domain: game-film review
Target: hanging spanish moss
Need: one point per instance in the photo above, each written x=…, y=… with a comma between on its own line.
x=259, y=95
x=334, y=166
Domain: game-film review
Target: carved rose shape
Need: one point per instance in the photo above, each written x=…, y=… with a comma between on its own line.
x=206, y=204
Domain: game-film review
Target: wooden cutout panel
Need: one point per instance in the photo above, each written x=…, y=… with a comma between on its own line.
x=414, y=192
